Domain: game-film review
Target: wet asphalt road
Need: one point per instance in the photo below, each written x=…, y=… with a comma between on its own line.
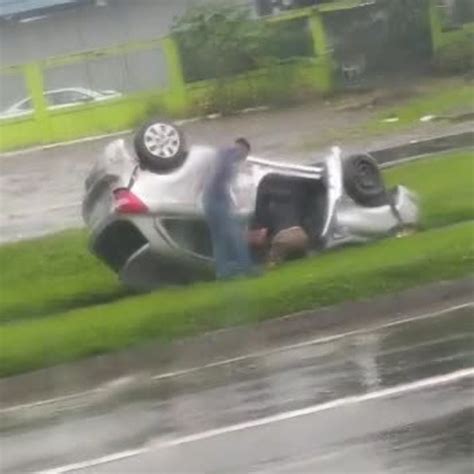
x=41, y=191
x=397, y=399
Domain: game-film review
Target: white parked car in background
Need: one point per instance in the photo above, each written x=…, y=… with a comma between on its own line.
x=59, y=98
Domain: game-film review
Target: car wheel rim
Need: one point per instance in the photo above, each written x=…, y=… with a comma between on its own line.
x=162, y=140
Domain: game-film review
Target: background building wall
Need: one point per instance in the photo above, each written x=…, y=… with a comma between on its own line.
x=87, y=27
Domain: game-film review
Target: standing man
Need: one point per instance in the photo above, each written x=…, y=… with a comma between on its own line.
x=230, y=249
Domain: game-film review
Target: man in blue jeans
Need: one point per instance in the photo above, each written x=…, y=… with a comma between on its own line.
x=230, y=249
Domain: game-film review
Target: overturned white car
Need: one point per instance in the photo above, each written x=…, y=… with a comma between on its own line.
x=143, y=204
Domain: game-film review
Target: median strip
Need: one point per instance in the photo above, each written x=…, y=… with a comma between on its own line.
x=54, y=274
x=382, y=267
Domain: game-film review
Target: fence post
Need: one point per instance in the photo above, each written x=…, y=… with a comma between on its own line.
x=324, y=77
x=435, y=26
x=176, y=99
x=35, y=86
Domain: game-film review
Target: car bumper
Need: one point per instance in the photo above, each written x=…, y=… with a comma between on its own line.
x=352, y=223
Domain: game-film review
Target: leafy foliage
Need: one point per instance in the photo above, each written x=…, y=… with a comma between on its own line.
x=409, y=27
x=456, y=56
x=219, y=39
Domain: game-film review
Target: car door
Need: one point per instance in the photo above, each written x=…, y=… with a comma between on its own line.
x=245, y=187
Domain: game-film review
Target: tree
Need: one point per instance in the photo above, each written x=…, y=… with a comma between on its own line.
x=218, y=40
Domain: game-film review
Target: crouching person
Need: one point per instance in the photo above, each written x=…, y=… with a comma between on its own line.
x=288, y=244
x=277, y=234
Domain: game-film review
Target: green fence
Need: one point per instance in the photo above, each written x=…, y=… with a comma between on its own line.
x=67, y=111
x=134, y=81
x=131, y=82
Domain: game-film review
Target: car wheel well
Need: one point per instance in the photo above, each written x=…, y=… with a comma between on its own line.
x=118, y=242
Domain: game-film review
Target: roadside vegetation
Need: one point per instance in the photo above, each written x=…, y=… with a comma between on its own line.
x=387, y=265
x=51, y=274
x=443, y=100
x=445, y=185
x=58, y=303
x=44, y=276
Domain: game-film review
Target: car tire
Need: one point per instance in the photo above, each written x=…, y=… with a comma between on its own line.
x=363, y=181
x=160, y=146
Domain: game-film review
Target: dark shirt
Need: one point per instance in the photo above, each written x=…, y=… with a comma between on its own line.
x=221, y=176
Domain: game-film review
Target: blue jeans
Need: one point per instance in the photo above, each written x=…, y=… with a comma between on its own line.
x=231, y=253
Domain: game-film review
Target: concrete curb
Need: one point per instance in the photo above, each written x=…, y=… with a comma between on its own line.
x=128, y=131
x=112, y=377
x=420, y=148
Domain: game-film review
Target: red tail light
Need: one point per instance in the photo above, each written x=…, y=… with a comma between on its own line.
x=127, y=203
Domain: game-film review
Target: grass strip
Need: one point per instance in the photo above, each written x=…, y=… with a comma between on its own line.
x=53, y=273
x=438, y=101
x=57, y=273
x=444, y=100
x=384, y=266
x=445, y=184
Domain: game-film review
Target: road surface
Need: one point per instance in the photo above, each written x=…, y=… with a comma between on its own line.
x=394, y=399
x=41, y=191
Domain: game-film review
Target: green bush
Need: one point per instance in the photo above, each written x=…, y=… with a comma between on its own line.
x=289, y=39
x=219, y=41
x=222, y=40
x=457, y=56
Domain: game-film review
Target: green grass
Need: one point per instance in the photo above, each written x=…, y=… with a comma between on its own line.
x=445, y=185
x=57, y=273
x=384, y=266
x=439, y=101
x=64, y=305
x=442, y=98
x=53, y=273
